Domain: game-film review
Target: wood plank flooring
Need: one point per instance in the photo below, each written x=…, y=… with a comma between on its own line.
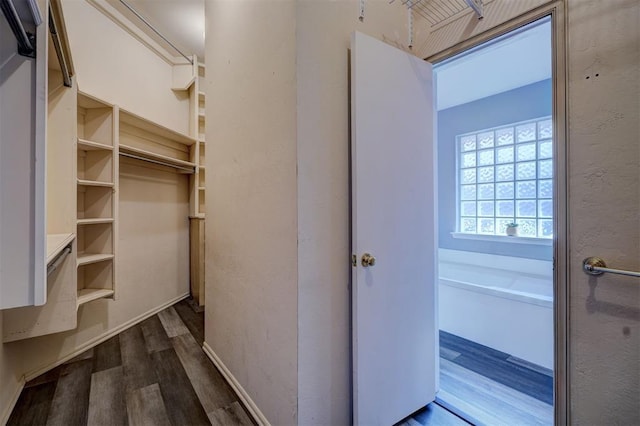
x=154, y=373
x=491, y=387
x=433, y=415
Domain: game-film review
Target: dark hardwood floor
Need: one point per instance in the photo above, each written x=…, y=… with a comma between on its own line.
x=154, y=373
x=491, y=387
x=501, y=367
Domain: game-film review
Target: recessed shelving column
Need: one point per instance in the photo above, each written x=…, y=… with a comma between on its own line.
x=201, y=141
x=197, y=220
x=96, y=207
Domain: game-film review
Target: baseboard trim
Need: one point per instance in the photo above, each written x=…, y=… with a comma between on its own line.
x=4, y=419
x=101, y=338
x=237, y=387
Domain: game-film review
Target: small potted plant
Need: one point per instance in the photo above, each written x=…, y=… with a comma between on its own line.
x=512, y=229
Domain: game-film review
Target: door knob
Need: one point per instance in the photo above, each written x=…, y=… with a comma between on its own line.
x=368, y=260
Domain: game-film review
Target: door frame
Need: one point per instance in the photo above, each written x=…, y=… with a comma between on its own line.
x=556, y=10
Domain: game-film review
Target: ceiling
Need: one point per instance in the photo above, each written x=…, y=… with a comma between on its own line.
x=180, y=21
x=513, y=61
x=495, y=67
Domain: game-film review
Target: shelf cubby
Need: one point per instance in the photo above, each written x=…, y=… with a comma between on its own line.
x=201, y=129
x=202, y=180
x=95, y=165
x=201, y=161
x=95, y=202
x=201, y=201
x=95, y=281
x=95, y=239
x=95, y=120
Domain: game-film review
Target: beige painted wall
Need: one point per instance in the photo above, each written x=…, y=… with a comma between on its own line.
x=114, y=66
x=251, y=225
x=323, y=39
x=604, y=202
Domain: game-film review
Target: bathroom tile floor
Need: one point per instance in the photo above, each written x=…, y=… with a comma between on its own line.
x=154, y=373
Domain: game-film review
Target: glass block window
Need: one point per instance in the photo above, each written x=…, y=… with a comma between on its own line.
x=505, y=175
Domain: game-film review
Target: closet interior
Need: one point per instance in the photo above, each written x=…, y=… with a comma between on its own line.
x=87, y=141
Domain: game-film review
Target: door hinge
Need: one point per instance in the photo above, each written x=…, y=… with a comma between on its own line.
x=354, y=260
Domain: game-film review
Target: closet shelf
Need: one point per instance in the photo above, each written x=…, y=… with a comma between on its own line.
x=88, y=258
x=201, y=188
x=87, y=145
x=201, y=95
x=94, y=221
x=56, y=243
x=88, y=294
x=83, y=182
x=124, y=149
x=151, y=128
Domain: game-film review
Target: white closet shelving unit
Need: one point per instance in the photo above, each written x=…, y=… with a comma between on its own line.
x=96, y=193
x=201, y=141
x=144, y=140
x=198, y=198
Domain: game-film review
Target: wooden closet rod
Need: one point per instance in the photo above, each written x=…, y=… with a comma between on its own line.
x=190, y=170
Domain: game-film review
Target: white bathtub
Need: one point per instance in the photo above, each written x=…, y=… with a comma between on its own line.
x=502, y=302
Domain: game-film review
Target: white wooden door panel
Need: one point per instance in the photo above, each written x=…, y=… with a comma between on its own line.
x=393, y=219
x=23, y=110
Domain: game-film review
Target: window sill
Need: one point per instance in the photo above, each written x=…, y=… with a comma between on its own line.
x=504, y=239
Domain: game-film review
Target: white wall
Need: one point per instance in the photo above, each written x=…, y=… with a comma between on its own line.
x=115, y=67
x=323, y=38
x=505, y=303
x=251, y=226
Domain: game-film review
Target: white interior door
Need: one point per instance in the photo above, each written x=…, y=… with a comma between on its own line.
x=393, y=219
